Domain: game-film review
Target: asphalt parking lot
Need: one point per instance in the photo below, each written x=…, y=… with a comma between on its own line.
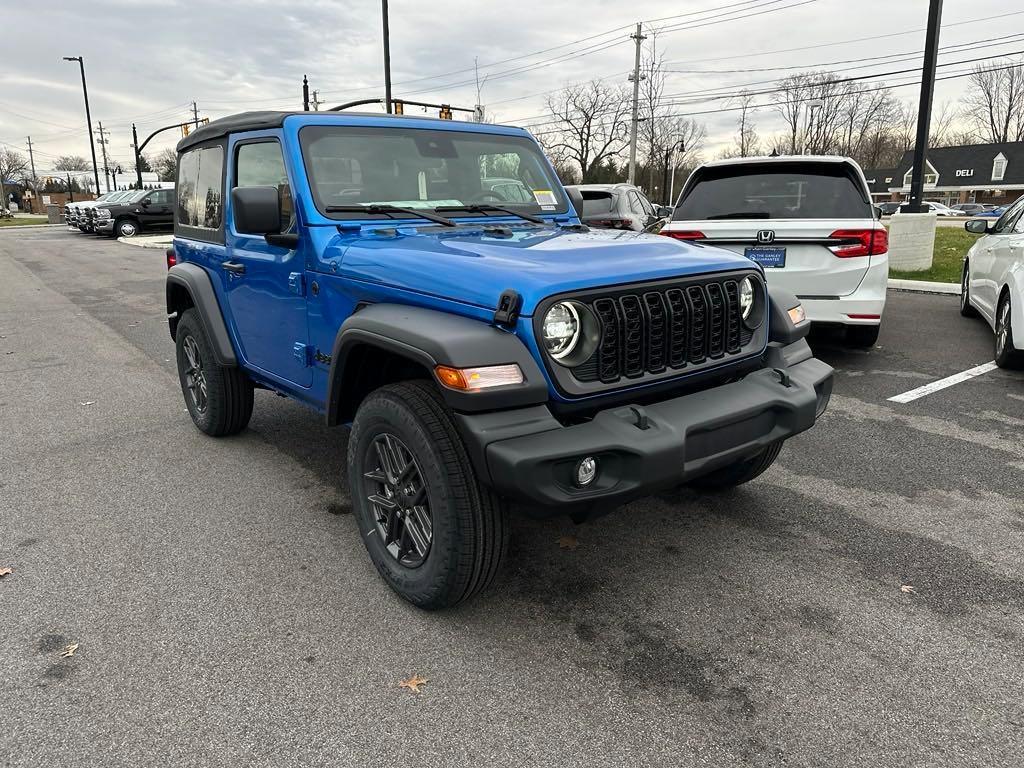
x=858, y=605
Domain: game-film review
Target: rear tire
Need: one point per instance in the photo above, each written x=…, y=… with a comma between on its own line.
x=862, y=336
x=966, y=308
x=1006, y=355
x=740, y=472
x=430, y=486
x=218, y=398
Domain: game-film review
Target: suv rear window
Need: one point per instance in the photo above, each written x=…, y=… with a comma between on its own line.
x=773, y=191
x=596, y=202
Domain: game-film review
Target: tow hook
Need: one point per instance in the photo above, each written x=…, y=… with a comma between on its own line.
x=784, y=379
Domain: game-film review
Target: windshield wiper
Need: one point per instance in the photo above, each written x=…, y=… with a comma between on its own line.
x=485, y=207
x=742, y=215
x=390, y=209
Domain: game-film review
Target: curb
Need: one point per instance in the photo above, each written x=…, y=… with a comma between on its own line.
x=142, y=243
x=923, y=286
x=32, y=226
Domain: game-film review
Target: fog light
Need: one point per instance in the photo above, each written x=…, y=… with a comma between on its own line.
x=586, y=471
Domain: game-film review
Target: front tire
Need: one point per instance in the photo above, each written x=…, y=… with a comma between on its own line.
x=862, y=336
x=1006, y=355
x=739, y=472
x=126, y=228
x=966, y=308
x=218, y=398
x=435, y=533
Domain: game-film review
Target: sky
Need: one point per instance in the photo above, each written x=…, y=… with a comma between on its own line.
x=147, y=60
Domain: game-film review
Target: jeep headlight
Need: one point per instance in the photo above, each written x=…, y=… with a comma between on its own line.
x=751, y=303
x=746, y=297
x=561, y=329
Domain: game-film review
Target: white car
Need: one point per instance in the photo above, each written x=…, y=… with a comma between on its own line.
x=937, y=208
x=807, y=220
x=993, y=281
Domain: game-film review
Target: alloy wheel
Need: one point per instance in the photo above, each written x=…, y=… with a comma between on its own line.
x=965, y=282
x=127, y=229
x=1003, y=327
x=195, y=376
x=398, y=497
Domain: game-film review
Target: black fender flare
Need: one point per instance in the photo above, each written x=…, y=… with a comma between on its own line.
x=196, y=282
x=431, y=338
x=781, y=327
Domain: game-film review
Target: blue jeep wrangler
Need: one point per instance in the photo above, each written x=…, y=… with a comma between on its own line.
x=486, y=348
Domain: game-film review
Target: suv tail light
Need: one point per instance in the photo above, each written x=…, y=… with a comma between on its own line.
x=683, y=234
x=172, y=258
x=864, y=242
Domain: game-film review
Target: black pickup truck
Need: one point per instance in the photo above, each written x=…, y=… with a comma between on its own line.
x=145, y=210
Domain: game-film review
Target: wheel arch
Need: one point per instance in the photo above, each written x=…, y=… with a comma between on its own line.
x=1012, y=288
x=383, y=341
x=189, y=285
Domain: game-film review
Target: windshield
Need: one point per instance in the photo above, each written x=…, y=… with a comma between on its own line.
x=429, y=169
x=596, y=202
x=773, y=191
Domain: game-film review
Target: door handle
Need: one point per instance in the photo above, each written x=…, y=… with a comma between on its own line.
x=234, y=267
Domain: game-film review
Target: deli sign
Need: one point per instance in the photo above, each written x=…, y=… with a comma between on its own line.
x=964, y=173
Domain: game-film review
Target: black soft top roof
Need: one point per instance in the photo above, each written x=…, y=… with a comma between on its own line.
x=264, y=120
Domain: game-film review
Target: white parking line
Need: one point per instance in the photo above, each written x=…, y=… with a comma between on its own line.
x=949, y=381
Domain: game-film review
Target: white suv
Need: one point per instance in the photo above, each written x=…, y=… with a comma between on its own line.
x=808, y=220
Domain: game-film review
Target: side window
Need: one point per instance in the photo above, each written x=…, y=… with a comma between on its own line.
x=634, y=202
x=261, y=164
x=648, y=208
x=200, y=184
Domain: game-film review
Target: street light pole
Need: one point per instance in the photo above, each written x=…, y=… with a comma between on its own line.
x=387, y=58
x=88, y=120
x=924, y=110
x=138, y=158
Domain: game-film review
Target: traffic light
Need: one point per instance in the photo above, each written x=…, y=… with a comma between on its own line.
x=446, y=112
x=185, y=128
x=397, y=107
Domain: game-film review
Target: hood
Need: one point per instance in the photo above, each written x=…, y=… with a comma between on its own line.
x=473, y=266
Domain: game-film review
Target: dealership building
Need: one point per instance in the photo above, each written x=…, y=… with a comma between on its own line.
x=974, y=173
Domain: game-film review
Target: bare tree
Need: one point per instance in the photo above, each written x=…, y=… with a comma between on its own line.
x=790, y=100
x=995, y=101
x=71, y=163
x=166, y=164
x=590, y=124
x=13, y=166
x=747, y=141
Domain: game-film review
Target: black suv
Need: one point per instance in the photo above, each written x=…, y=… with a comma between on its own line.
x=145, y=210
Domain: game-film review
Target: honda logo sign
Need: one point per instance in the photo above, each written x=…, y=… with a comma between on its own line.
x=765, y=236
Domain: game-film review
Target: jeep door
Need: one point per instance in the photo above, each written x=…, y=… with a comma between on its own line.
x=264, y=283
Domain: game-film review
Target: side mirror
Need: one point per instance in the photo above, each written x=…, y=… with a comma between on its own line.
x=256, y=210
x=663, y=211
x=576, y=198
x=977, y=226
x=144, y=202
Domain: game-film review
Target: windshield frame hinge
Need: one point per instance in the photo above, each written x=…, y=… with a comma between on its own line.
x=509, y=305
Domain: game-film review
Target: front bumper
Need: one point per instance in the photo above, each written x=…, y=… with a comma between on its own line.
x=104, y=226
x=528, y=456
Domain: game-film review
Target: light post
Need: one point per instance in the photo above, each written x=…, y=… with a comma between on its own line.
x=670, y=157
x=88, y=120
x=387, y=57
x=812, y=106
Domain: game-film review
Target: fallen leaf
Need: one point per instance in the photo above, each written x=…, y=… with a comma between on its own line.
x=69, y=651
x=413, y=683
x=88, y=402
x=5, y=571
x=567, y=542
x=908, y=588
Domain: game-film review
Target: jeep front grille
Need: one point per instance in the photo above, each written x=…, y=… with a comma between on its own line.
x=664, y=328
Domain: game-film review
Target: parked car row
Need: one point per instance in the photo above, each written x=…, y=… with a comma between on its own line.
x=889, y=208
x=123, y=214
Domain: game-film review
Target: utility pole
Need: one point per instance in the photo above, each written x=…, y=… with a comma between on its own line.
x=71, y=192
x=103, y=146
x=478, y=110
x=387, y=58
x=88, y=120
x=138, y=158
x=35, y=183
x=195, y=115
x=672, y=180
x=305, y=94
x=924, y=110
x=316, y=101
x=639, y=38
